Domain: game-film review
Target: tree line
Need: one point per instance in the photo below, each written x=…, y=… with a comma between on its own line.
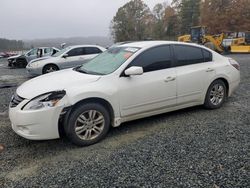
x=6, y=45
x=135, y=20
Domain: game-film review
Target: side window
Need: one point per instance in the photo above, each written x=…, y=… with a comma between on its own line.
x=207, y=56
x=54, y=51
x=187, y=55
x=156, y=58
x=76, y=52
x=92, y=50
x=47, y=50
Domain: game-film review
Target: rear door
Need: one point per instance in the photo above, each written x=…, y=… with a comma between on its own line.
x=194, y=69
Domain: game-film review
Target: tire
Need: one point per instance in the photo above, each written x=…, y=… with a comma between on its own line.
x=21, y=63
x=216, y=95
x=10, y=64
x=49, y=69
x=87, y=124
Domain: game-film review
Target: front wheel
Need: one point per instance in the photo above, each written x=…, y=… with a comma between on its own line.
x=21, y=63
x=87, y=124
x=216, y=95
x=50, y=68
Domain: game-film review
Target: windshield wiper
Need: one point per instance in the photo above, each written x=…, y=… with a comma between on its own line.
x=79, y=70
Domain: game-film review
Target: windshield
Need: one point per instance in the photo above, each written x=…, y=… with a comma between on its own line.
x=31, y=52
x=61, y=52
x=108, y=61
x=195, y=33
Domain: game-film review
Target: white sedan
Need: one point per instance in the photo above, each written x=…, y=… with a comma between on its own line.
x=127, y=82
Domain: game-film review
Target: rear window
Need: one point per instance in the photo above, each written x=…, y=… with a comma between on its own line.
x=92, y=50
x=187, y=55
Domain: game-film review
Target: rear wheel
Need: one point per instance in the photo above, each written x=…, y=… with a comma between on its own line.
x=50, y=68
x=216, y=95
x=87, y=124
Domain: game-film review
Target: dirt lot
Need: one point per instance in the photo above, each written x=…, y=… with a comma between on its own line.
x=188, y=148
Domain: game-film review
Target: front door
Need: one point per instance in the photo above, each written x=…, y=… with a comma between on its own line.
x=155, y=89
x=75, y=57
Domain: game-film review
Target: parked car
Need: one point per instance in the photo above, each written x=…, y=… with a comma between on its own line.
x=124, y=83
x=7, y=54
x=2, y=55
x=21, y=61
x=69, y=57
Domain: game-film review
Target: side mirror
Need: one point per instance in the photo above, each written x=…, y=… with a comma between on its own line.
x=134, y=71
x=65, y=56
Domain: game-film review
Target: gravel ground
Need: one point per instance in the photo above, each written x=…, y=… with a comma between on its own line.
x=193, y=147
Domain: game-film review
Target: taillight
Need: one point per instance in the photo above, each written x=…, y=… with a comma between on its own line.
x=234, y=63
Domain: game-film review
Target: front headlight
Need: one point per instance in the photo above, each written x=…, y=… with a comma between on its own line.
x=47, y=100
x=33, y=64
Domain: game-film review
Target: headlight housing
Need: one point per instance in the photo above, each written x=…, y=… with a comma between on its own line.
x=46, y=100
x=33, y=64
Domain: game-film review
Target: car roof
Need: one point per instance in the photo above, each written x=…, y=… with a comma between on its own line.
x=147, y=44
x=86, y=45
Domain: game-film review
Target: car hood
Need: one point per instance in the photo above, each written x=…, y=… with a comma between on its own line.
x=14, y=57
x=53, y=82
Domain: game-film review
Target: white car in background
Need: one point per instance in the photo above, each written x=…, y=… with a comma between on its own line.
x=69, y=57
x=126, y=82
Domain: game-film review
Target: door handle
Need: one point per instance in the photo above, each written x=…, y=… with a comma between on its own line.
x=209, y=70
x=169, y=79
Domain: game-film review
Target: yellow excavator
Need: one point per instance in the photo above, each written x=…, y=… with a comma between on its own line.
x=220, y=43
x=198, y=35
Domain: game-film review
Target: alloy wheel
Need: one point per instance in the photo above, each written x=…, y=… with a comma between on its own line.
x=217, y=94
x=50, y=69
x=89, y=125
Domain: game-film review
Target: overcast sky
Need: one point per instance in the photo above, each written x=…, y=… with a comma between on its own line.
x=33, y=19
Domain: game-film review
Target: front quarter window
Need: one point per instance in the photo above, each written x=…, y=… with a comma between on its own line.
x=108, y=61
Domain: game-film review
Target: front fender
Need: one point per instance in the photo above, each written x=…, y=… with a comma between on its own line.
x=106, y=93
